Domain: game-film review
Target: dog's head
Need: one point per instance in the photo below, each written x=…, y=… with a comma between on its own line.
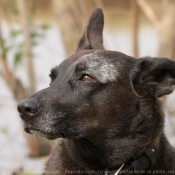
x=97, y=93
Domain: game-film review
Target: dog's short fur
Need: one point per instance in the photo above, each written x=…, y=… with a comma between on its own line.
x=104, y=106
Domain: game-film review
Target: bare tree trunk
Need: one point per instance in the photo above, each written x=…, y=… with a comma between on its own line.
x=34, y=145
x=134, y=11
x=166, y=33
x=23, y=10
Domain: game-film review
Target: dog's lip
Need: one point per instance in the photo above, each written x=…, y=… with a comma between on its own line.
x=32, y=130
x=51, y=136
x=42, y=134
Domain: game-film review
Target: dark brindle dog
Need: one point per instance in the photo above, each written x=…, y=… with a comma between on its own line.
x=104, y=105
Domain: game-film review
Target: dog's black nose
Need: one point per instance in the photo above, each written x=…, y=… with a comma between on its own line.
x=28, y=108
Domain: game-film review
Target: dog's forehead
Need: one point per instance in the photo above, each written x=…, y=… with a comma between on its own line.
x=101, y=65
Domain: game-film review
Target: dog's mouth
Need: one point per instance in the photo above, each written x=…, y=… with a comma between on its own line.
x=50, y=136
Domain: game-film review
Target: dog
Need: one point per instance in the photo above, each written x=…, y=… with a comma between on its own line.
x=105, y=108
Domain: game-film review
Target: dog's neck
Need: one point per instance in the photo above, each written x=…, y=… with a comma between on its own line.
x=87, y=154
x=99, y=154
x=90, y=156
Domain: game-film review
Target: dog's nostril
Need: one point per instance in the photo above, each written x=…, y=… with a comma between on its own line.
x=32, y=110
x=28, y=109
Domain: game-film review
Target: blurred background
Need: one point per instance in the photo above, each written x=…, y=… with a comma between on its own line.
x=36, y=35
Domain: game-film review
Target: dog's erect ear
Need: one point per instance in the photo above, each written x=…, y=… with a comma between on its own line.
x=92, y=37
x=154, y=75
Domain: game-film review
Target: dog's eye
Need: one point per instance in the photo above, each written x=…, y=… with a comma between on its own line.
x=86, y=78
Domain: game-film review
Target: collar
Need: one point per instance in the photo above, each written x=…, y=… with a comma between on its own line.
x=138, y=166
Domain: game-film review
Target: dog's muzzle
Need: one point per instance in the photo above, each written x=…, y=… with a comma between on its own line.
x=28, y=108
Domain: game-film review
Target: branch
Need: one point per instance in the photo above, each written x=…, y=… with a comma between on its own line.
x=7, y=73
x=149, y=12
x=24, y=17
x=76, y=12
x=14, y=83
